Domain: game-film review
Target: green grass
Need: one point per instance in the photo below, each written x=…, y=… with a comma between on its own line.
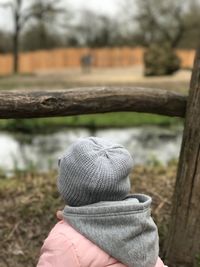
x=119, y=119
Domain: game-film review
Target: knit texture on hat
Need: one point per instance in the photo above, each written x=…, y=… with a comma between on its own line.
x=93, y=170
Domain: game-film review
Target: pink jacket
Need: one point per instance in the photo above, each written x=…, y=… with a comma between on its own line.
x=65, y=247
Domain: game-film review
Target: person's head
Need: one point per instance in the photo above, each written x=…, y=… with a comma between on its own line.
x=93, y=170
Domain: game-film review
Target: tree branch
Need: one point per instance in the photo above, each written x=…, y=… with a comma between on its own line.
x=181, y=27
x=90, y=100
x=39, y=12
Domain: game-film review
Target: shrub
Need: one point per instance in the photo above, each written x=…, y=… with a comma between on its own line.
x=160, y=60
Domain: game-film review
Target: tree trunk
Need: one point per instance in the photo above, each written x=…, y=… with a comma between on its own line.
x=183, y=242
x=16, y=38
x=16, y=53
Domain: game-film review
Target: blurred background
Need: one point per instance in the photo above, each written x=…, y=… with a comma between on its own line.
x=65, y=44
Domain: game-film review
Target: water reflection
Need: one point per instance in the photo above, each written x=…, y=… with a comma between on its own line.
x=146, y=144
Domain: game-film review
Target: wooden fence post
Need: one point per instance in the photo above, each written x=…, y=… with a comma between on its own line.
x=182, y=247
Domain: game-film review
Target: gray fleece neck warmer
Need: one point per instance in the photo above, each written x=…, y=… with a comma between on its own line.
x=123, y=229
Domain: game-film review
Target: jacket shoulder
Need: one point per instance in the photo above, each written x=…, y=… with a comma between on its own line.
x=57, y=251
x=87, y=252
x=64, y=246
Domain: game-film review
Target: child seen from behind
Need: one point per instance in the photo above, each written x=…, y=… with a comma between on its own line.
x=103, y=224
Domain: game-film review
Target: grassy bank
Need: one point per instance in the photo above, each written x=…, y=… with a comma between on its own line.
x=119, y=119
x=29, y=203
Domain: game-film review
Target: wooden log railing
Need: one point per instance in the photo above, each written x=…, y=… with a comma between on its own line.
x=90, y=100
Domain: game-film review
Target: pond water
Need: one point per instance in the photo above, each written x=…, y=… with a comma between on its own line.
x=146, y=144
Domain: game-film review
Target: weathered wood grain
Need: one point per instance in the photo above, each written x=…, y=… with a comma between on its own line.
x=26, y=104
x=183, y=243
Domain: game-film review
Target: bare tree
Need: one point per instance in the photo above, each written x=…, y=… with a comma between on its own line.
x=6, y=42
x=191, y=37
x=156, y=21
x=38, y=10
x=94, y=30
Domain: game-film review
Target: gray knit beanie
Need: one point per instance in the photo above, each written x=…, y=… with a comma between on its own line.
x=93, y=170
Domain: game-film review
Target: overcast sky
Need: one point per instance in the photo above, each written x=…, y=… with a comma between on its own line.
x=99, y=6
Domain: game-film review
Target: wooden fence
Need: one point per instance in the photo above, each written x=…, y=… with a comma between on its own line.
x=182, y=246
x=57, y=59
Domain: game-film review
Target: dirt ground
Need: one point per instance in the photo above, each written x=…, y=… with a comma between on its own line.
x=96, y=77
x=114, y=75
